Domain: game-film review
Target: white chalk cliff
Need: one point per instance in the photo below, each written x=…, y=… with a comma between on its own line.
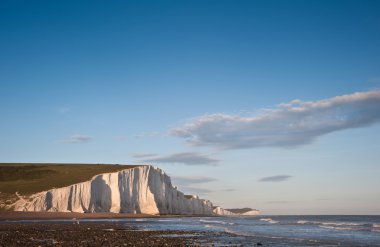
x=221, y=211
x=252, y=212
x=144, y=189
x=236, y=211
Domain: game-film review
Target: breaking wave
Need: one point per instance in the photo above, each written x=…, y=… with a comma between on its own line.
x=330, y=223
x=302, y=222
x=216, y=222
x=336, y=227
x=341, y=224
x=376, y=227
x=348, y=226
x=269, y=220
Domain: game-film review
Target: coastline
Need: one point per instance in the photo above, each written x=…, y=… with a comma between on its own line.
x=18, y=215
x=14, y=215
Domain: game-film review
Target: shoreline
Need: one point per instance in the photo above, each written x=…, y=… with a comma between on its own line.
x=16, y=215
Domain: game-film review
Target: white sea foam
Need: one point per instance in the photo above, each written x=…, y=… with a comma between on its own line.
x=302, y=222
x=165, y=220
x=376, y=225
x=269, y=220
x=239, y=233
x=140, y=219
x=340, y=224
x=212, y=221
x=328, y=223
x=337, y=228
x=216, y=222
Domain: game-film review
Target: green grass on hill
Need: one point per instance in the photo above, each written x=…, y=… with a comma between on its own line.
x=26, y=178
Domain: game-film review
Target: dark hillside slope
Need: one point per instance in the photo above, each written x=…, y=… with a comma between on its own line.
x=29, y=178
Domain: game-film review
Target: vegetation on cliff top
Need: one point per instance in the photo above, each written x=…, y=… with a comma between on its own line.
x=27, y=178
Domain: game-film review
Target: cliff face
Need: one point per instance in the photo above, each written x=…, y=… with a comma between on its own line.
x=221, y=211
x=251, y=213
x=144, y=189
x=236, y=211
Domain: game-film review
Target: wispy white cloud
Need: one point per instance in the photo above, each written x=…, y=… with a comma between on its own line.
x=197, y=184
x=186, y=158
x=191, y=180
x=288, y=125
x=196, y=191
x=277, y=178
x=193, y=184
x=76, y=139
x=201, y=190
x=143, y=155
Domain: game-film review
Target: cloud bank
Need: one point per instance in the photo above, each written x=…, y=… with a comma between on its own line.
x=288, y=125
x=277, y=178
x=187, y=158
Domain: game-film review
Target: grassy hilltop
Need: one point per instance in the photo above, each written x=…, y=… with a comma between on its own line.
x=28, y=178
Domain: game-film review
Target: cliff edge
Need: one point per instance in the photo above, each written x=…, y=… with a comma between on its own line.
x=142, y=189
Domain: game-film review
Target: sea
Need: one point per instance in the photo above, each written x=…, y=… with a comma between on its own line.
x=277, y=231
x=273, y=231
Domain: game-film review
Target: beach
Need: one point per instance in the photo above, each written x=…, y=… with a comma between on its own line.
x=95, y=234
x=97, y=229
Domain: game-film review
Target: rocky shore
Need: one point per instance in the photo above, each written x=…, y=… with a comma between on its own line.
x=99, y=234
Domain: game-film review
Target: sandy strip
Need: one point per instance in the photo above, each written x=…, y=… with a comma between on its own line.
x=12, y=215
x=59, y=215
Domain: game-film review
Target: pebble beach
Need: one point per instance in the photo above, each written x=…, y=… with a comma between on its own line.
x=98, y=234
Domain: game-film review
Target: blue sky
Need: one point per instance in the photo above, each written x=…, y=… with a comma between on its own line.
x=203, y=90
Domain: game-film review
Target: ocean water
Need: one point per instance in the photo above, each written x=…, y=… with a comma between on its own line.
x=278, y=230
